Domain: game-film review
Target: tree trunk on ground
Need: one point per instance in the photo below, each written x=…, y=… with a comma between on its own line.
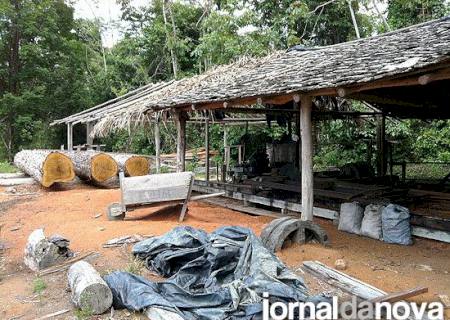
x=45, y=166
x=131, y=164
x=93, y=166
x=89, y=291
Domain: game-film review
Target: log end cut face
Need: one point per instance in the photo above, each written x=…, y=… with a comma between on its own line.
x=137, y=166
x=96, y=298
x=103, y=167
x=57, y=167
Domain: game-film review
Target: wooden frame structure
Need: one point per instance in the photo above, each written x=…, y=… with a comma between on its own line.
x=405, y=73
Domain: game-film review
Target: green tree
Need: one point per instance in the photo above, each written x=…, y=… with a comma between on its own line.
x=41, y=70
x=403, y=13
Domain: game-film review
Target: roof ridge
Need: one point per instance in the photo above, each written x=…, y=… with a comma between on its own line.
x=414, y=26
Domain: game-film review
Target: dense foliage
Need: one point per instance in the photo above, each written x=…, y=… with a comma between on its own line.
x=53, y=65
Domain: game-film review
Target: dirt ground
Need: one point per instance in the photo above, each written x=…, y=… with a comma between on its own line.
x=73, y=213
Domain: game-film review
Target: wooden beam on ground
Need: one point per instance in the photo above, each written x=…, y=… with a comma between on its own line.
x=342, y=281
x=354, y=286
x=398, y=296
x=306, y=156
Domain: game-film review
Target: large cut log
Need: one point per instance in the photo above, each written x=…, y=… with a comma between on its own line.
x=131, y=164
x=45, y=166
x=93, y=166
x=89, y=291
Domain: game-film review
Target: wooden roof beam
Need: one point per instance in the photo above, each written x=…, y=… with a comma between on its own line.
x=414, y=80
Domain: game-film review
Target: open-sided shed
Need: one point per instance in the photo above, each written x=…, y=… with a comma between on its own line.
x=404, y=73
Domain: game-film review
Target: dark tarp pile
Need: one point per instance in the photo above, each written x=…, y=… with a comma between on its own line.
x=221, y=275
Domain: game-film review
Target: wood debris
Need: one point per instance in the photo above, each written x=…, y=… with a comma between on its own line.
x=118, y=242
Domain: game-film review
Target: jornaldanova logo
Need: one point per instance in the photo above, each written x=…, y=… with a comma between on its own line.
x=352, y=309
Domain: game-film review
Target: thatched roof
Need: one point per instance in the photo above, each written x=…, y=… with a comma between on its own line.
x=326, y=70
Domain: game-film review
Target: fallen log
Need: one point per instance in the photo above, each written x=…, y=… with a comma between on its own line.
x=131, y=164
x=93, y=166
x=89, y=291
x=45, y=166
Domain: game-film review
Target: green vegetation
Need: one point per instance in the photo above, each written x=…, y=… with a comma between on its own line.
x=5, y=167
x=53, y=65
x=82, y=314
x=39, y=285
x=135, y=266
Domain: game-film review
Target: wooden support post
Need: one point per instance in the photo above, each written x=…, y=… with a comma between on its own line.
x=180, y=120
x=157, y=146
x=69, y=136
x=369, y=153
x=404, y=171
x=207, y=145
x=298, y=157
x=89, y=139
x=381, y=145
x=306, y=156
x=239, y=154
x=227, y=158
x=225, y=145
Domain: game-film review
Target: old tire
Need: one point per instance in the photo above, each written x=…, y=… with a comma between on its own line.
x=310, y=230
x=268, y=230
x=282, y=233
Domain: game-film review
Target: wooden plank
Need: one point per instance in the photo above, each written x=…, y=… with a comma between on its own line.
x=207, y=196
x=399, y=296
x=16, y=181
x=201, y=186
x=296, y=188
x=349, y=284
x=242, y=208
x=12, y=175
x=155, y=313
x=438, y=235
x=342, y=281
x=186, y=201
x=54, y=314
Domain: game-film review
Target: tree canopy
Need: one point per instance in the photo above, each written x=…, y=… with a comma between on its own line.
x=53, y=65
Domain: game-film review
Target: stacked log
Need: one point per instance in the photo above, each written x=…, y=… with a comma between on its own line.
x=131, y=164
x=93, y=166
x=45, y=166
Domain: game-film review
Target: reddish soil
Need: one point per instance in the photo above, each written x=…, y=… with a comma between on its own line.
x=71, y=213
